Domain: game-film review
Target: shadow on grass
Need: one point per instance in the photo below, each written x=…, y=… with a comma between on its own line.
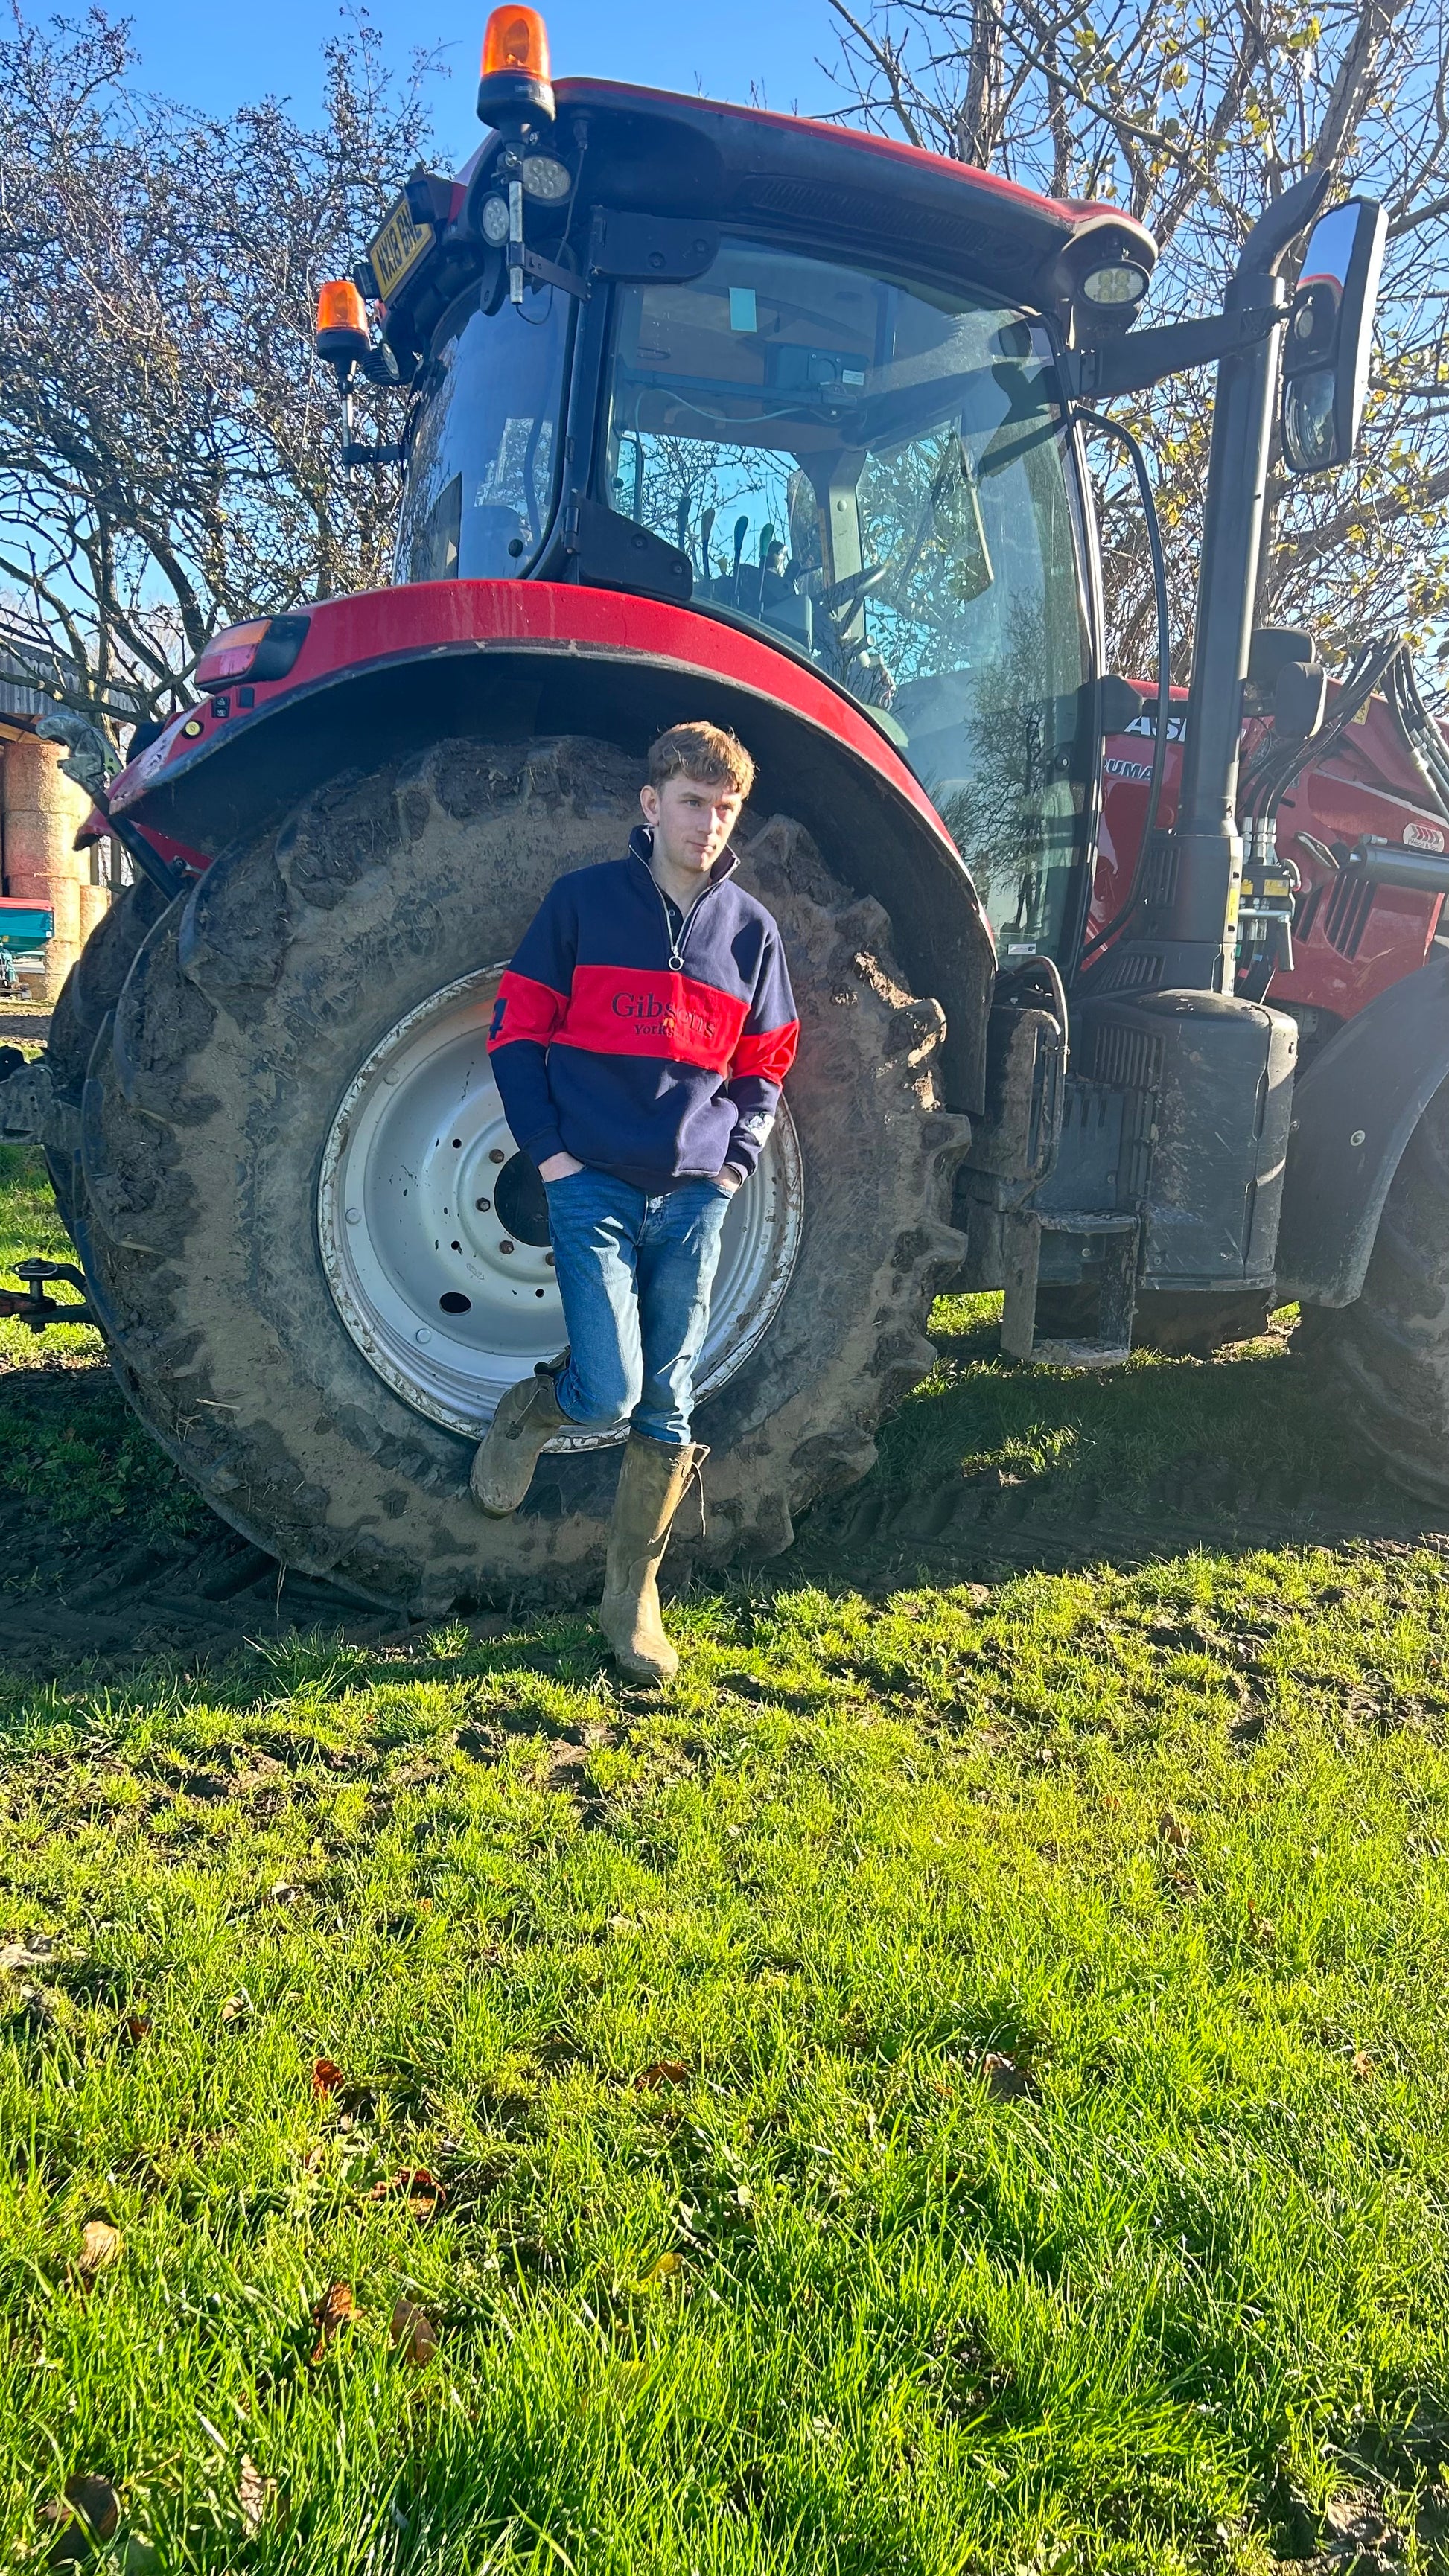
x=110, y=1562
x=990, y=1464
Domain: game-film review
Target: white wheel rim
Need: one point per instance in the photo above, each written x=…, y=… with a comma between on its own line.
x=418, y=1137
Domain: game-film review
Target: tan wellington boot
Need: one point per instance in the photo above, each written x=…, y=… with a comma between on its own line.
x=526, y=1420
x=652, y=1482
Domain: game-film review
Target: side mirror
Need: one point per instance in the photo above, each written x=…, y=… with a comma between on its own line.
x=1330, y=335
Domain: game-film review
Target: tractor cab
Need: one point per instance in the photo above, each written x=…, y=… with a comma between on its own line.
x=876, y=476
x=697, y=382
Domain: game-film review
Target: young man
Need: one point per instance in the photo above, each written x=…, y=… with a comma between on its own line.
x=641, y=1036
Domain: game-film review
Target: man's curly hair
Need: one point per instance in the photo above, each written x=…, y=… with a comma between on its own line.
x=705, y=752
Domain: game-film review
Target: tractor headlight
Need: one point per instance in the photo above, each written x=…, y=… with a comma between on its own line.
x=546, y=178
x=1123, y=283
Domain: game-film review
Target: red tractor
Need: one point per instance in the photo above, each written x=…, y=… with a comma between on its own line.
x=719, y=414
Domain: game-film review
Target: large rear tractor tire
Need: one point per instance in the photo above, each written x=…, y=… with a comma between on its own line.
x=87, y=997
x=1389, y=1351
x=318, y=1260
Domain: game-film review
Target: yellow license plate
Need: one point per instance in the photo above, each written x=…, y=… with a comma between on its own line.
x=394, y=252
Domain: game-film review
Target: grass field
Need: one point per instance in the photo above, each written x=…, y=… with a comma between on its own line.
x=960, y=2082
x=29, y=1225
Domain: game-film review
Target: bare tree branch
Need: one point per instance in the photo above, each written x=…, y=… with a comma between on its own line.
x=160, y=432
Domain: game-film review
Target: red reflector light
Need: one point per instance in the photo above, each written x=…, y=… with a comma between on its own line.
x=230, y=653
x=264, y=649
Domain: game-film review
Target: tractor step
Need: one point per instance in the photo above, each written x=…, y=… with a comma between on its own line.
x=1120, y=1235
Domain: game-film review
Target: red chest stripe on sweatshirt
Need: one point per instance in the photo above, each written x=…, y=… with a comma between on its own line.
x=771, y=1053
x=615, y=1010
x=525, y=1009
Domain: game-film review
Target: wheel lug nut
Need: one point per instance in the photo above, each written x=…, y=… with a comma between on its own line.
x=505, y=1245
x=495, y=1154
x=483, y=1205
x=548, y=1261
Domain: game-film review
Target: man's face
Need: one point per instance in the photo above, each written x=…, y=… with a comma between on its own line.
x=691, y=821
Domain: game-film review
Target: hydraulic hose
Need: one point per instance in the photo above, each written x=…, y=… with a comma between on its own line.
x=1090, y=420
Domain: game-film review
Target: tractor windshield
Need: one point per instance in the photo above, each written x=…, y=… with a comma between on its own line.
x=875, y=472
x=484, y=441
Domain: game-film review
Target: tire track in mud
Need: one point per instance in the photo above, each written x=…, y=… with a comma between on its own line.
x=111, y=1593
x=951, y=1529
x=67, y=1601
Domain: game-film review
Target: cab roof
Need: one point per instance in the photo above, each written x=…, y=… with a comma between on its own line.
x=840, y=188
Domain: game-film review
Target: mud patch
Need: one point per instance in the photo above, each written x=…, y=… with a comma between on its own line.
x=85, y=1585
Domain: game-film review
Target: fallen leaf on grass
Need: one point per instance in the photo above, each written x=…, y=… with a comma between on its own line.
x=414, y=2334
x=1173, y=1829
x=326, y=2076
x=88, y=2510
x=135, y=2027
x=238, y=2007
x=668, y=2267
x=254, y=2496
x=284, y=1893
x=1006, y=2080
x=1363, y=2065
x=425, y=2195
x=665, y=2070
x=100, y=2245
x=27, y=1952
x=336, y=2308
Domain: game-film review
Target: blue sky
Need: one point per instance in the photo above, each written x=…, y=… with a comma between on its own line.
x=215, y=58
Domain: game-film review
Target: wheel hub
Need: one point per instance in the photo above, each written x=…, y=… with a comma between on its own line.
x=433, y=1227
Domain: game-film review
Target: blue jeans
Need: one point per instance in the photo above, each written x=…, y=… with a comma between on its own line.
x=634, y=1274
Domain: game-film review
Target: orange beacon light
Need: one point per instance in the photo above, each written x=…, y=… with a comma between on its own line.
x=342, y=336
x=514, y=81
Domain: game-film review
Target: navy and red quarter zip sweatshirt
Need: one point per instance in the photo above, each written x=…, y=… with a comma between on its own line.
x=646, y=1043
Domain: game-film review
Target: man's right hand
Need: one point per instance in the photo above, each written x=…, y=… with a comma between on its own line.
x=559, y=1167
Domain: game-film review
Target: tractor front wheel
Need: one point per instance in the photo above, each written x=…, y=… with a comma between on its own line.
x=1390, y=1350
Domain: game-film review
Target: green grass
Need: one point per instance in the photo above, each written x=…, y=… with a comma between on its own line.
x=29, y=1225
x=91, y=1462
x=958, y=2083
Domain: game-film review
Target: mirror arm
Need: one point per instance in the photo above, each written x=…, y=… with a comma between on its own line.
x=1127, y=366
x=1190, y=883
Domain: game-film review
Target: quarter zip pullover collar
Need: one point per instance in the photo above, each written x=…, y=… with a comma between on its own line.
x=641, y=847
